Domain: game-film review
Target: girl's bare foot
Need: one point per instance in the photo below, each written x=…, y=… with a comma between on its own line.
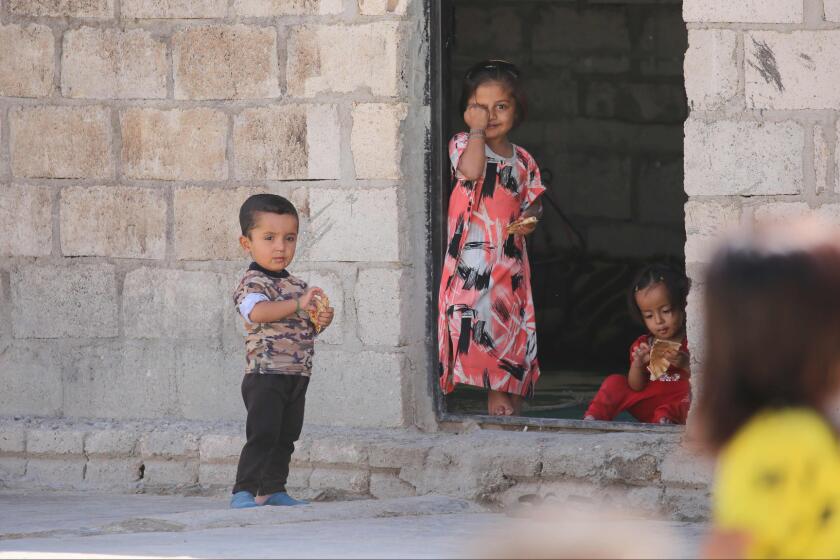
x=499, y=404
x=260, y=500
x=517, y=401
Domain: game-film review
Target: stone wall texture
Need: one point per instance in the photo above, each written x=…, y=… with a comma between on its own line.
x=130, y=133
x=761, y=139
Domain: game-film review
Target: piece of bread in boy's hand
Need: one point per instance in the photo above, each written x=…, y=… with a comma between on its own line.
x=320, y=303
x=658, y=363
x=518, y=225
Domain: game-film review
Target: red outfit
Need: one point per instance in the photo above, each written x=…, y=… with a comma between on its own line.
x=667, y=397
x=486, y=327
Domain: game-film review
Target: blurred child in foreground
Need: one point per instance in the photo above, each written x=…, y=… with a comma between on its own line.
x=771, y=371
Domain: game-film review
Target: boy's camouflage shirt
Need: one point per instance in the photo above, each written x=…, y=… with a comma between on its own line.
x=283, y=347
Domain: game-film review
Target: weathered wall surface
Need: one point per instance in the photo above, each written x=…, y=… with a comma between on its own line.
x=130, y=133
x=761, y=141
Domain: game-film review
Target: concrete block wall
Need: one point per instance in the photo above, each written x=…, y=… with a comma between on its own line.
x=130, y=133
x=761, y=140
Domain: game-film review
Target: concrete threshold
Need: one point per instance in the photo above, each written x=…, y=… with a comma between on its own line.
x=642, y=471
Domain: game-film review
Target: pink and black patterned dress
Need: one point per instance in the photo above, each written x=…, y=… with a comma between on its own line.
x=486, y=330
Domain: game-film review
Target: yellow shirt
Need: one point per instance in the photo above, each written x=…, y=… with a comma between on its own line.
x=778, y=481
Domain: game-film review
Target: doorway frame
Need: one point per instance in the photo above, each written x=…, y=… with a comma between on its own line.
x=439, y=15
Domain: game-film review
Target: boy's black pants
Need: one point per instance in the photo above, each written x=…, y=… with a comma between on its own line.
x=275, y=417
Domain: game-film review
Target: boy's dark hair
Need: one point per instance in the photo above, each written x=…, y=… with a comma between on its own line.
x=496, y=71
x=265, y=202
x=674, y=280
x=772, y=335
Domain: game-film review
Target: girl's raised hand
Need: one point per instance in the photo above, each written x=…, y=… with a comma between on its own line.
x=641, y=356
x=476, y=116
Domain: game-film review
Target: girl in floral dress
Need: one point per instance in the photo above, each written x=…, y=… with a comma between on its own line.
x=486, y=329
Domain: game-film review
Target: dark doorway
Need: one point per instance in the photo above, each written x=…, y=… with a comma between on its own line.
x=607, y=105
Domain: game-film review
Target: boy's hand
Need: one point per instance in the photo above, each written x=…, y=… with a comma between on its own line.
x=641, y=356
x=325, y=317
x=476, y=116
x=306, y=299
x=677, y=358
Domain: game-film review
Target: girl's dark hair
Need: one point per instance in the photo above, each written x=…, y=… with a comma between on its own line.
x=272, y=203
x=674, y=280
x=496, y=71
x=772, y=335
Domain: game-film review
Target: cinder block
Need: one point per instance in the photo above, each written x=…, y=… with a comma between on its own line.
x=744, y=11
x=61, y=142
x=317, y=59
x=832, y=10
x=70, y=301
x=225, y=62
x=12, y=468
x=387, y=485
x=161, y=443
x=143, y=372
x=176, y=144
x=363, y=389
x=744, y=158
x=99, y=9
x=111, y=442
x=113, y=471
x=123, y=222
x=217, y=474
x=781, y=212
x=792, y=70
x=705, y=224
x=271, y=8
x=338, y=450
x=30, y=374
x=687, y=469
x=358, y=225
x=59, y=442
x=632, y=240
x=218, y=447
x=209, y=380
x=12, y=439
x=332, y=286
x=355, y=481
x=55, y=472
x=562, y=27
x=711, y=68
x=160, y=303
x=596, y=186
x=207, y=223
x=382, y=7
x=25, y=221
x=287, y=142
x=376, y=141
x=661, y=192
x=822, y=155
x=167, y=473
x=26, y=60
x=110, y=63
x=299, y=477
x=378, y=306
x=173, y=9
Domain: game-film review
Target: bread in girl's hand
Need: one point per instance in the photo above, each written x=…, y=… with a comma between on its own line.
x=517, y=225
x=320, y=303
x=658, y=363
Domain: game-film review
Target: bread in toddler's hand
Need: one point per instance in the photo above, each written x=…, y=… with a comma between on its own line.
x=320, y=303
x=658, y=363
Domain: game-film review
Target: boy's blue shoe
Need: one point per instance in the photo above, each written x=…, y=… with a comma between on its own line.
x=283, y=499
x=242, y=499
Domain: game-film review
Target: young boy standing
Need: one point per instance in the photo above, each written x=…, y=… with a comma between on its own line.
x=279, y=347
